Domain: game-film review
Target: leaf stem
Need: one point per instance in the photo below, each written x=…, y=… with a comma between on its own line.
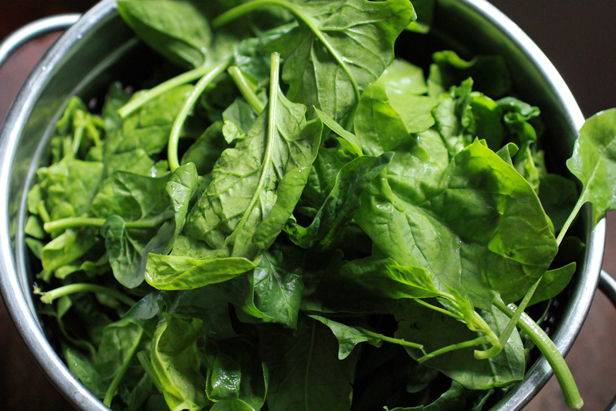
x=551, y=353
x=49, y=296
x=174, y=138
x=151, y=94
x=516, y=317
x=453, y=347
x=438, y=309
x=246, y=89
x=113, y=387
x=391, y=340
x=269, y=142
x=581, y=201
x=75, y=222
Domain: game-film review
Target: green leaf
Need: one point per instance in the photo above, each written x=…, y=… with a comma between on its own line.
x=454, y=399
x=134, y=198
x=204, y=152
x=480, y=217
x=553, y=283
x=435, y=330
x=558, y=196
x=277, y=285
x=386, y=278
x=490, y=73
x=149, y=127
x=403, y=78
x=84, y=369
x=177, y=30
x=385, y=119
x=67, y=247
x=238, y=119
x=172, y=272
x=333, y=36
x=348, y=140
x=593, y=163
x=236, y=379
x=288, y=194
x=245, y=178
x=305, y=372
x=425, y=15
x=330, y=222
x=128, y=249
x=181, y=187
x=69, y=186
x=348, y=337
x=175, y=363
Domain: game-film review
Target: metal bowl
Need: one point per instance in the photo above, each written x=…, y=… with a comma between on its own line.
x=99, y=49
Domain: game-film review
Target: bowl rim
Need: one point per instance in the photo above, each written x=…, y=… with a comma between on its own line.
x=20, y=308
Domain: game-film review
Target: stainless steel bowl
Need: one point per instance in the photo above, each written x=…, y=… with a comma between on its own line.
x=99, y=49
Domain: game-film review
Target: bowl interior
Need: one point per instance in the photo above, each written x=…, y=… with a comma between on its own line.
x=100, y=49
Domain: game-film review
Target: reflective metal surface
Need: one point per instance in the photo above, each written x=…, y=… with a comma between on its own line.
x=100, y=49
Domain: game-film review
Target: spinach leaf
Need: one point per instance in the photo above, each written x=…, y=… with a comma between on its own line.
x=238, y=119
x=425, y=15
x=442, y=227
x=330, y=222
x=404, y=78
x=128, y=249
x=348, y=337
x=593, y=163
x=181, y=187
x=204, y=152
x=173, y=272
x=236, y=379
x=435, y=330
x=277, y=285
x=490, y=73
x=68, y=187
x=177, y=30
x=553, y=283
x=305, y=372
x=68, y=247
x=243, y=190
x=338, y=34
x=174, y=364
x=149, y=127
x=383, y=121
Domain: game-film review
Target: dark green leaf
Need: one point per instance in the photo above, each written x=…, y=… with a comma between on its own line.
x=434, y=331
x=324, y=71
x=177, y=30
x=330, y=222
x=463, y=222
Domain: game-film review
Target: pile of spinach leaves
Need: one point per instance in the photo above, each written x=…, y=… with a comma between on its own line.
x=300, y=221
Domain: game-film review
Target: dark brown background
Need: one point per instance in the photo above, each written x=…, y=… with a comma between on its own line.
x=578, y=37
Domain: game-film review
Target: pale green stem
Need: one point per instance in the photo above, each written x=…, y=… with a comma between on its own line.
x=391, y=340
x=438, y=309
x=551, y=353
x=492, y=338
x=49, y=296
x=74, y=222
x=453, y=347
x=111, y=391
x=271, y=127
x=581, y=201
x=504, y=337
x=42, y=210
x=247, y=90
x=162, y=88
x=174, y=138
x=77, y=139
